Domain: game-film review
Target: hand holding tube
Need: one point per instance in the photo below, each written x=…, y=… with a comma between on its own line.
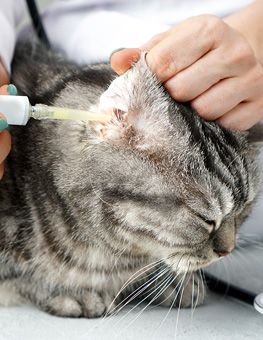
x=5, y=138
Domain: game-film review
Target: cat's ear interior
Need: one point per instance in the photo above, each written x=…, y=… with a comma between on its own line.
x=255, y=134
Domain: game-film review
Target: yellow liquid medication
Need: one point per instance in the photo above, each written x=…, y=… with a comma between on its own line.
x=41, y=111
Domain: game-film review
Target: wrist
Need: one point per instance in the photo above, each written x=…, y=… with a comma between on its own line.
x=248, y=23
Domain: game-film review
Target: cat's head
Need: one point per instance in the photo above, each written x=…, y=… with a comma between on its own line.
x=174, y=186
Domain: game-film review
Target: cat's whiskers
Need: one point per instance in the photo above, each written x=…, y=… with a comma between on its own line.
x=173, y=278
x=251, y=256
x=192, y=299
x=174, y=301
x=226, y=268
x=180, y=259
x=232, y=260
x=178, y=313
x=118, y=256
x=202, y=280
x=243, y=257
x=181, y=281
x=134, y=277
x=137, y=292
x=194, y=303
x=160, y=288
x=167, y=284
x=247, y=238
x=112, y=315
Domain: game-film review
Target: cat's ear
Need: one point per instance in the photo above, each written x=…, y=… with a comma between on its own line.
x=255, y=134
x=138, y=108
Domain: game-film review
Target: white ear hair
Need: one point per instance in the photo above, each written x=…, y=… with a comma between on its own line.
x=111, y=99
x=255, y=134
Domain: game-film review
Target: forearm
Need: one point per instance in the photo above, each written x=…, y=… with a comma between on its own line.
x=249, y=23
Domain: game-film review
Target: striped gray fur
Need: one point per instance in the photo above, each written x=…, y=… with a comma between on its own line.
x=84, y=207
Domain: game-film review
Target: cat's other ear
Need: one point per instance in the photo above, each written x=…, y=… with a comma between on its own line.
x=255, y=134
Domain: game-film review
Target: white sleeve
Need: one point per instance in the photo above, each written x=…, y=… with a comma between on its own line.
x=11, y=12
x=89, y=30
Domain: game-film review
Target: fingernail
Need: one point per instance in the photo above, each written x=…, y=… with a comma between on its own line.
x=12, y=90
x=116, y=50
x=3, y=124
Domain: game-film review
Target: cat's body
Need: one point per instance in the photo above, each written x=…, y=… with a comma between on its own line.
x=82, y=209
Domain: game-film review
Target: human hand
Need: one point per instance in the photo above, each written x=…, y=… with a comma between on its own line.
x=4, y=78
x=207, y=62
x=5, y=138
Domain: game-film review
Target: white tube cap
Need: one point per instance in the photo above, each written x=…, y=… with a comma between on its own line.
x=15, y=109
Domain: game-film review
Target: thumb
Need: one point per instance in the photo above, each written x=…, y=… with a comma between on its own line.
x=122, y=59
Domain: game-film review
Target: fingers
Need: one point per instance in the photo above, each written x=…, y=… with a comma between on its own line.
x=4, y=90
x=5, y=138
x=155, y=40
x=243, y=116
x=221, y=97
x=5, y=142
x=184, y=44
x=206, y=72
x=122, y=60
x=204, y=61
x=1, y=170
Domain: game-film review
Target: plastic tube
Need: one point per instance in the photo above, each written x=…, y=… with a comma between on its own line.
x=18, y=111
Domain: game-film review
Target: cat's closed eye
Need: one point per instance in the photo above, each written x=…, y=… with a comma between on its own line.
x=211, y=224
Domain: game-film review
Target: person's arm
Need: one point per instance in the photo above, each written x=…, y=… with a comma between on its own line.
x=215, y=64
x=11, y=13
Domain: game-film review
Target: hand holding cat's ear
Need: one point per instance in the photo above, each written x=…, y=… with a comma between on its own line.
x=207, y=62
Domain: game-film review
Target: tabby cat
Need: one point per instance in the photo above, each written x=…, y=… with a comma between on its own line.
x=143, y=201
